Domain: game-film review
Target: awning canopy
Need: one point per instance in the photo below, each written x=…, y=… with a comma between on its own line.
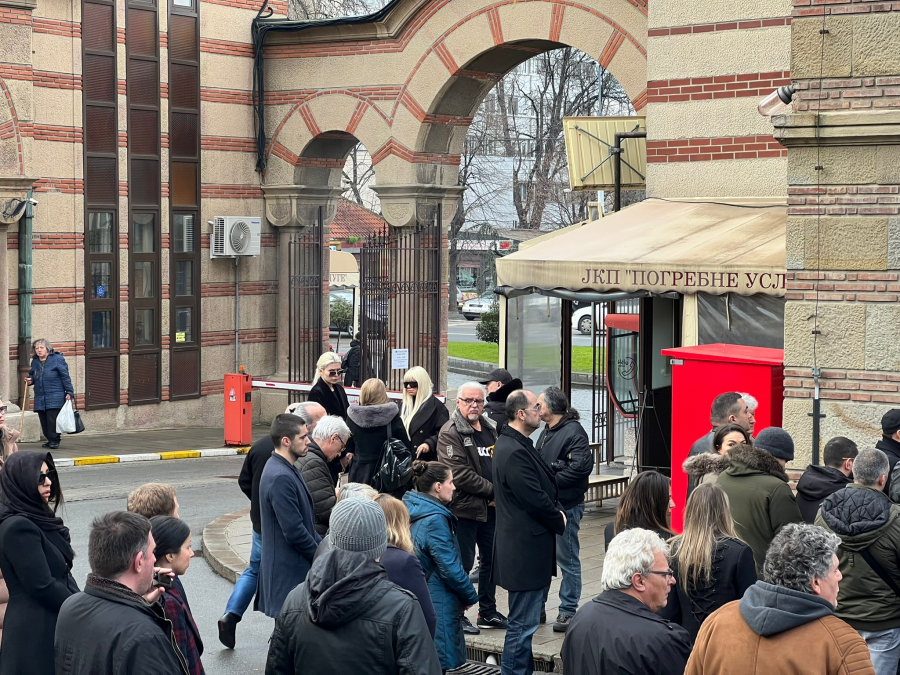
x=660, y=246
x=344, y=270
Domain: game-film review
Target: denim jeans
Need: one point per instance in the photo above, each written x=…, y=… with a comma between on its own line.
x=524, y=618
x=245, y=586
x=568, y=557
x=468, y=533
x=884, y=648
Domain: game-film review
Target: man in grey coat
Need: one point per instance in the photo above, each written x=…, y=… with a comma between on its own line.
x=287, y=515
x=727, y=408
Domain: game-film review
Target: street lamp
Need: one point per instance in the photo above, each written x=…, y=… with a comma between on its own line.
x=777, y=101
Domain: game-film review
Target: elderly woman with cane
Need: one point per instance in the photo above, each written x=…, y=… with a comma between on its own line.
x=52, y=388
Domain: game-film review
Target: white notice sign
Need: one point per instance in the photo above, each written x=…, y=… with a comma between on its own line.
x=399, y=359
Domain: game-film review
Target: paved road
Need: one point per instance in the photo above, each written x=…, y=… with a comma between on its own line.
x=462, y=330
x=207, y=488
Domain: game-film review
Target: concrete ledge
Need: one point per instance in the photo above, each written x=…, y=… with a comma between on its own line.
x=216, y=550
x=151, y=456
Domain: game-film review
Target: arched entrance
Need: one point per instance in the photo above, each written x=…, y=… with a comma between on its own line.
x=408, y=85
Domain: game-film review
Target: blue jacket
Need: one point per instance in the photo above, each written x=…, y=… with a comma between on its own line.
x=51, y=381
x=289, y=538
x=432, y=527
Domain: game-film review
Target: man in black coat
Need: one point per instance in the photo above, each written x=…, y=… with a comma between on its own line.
x=817, y=482
x=329, y=437
x=347, y=617
x=117, y=625
x=619, y=631
x=890, y=445
x=565, y=447
x=499, y=385
x=528, y=520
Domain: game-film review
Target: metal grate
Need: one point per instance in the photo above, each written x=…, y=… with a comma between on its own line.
x=143, y=82
x=183, y=134
x=184, y=89
x=143, y=132
x=185, y=373
x=100, y=180
x=144, y=182
x=400, y=298
x=100, y=129
x=102, y=387
x=305, y=253
x=143, y=378
x=99, y=78
x=96, y=27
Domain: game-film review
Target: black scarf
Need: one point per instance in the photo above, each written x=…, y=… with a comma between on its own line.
x=19, y=497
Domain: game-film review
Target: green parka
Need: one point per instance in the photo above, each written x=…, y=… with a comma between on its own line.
x=864, y=518
x=760, y=499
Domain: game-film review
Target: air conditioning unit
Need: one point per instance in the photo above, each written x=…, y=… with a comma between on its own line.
x=235, y=235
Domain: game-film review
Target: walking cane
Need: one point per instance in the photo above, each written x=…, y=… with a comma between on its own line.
x=24, y=402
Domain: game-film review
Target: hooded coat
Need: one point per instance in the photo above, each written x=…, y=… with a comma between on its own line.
x=760, y=499
x=458, y=450
x=705, y=468
x=495, y=403
x=864, y=518
x=816, y=483
x=348, y=618
x=432, y=526
x=51, y=381
x=566, y=449
x=351, y=362
x=370, y=426
x=774, y=629
x=618, y=634
x=701, y=446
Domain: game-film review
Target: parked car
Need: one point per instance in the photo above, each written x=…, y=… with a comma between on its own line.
x=463, y=294
x=472, y=309
x=582, y=321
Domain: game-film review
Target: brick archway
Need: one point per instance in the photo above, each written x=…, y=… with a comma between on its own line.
x=408, y=86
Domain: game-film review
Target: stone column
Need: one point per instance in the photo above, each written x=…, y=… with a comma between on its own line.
x=292, y=209
x=403, y=206
x=13, y=192
x=842, y=317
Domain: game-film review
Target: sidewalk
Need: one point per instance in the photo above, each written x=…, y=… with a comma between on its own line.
x=142, y=445
x=226, y=547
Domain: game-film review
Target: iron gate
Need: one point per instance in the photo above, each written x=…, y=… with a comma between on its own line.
x=305, y=251
x=400, y=298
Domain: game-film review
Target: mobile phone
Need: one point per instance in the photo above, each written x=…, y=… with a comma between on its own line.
x=162, y=580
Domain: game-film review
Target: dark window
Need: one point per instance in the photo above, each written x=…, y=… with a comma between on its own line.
x=101, y=251
x=184, y=188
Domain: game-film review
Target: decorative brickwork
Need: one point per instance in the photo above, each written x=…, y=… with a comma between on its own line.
x=720, y=26
x=719, y=86
x=706, y=149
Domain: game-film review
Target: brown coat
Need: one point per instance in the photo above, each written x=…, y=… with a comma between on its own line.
x=726, y=645
x=456, y=448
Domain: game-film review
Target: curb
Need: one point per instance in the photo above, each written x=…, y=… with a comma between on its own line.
x=150, y=456
x=216, y=551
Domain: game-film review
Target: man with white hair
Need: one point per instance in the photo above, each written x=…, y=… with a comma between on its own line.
x=329, y=437
x=466, y=445
x=619, y=631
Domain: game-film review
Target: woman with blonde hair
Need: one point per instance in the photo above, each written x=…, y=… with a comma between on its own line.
x=327, y=389
x=399, y=560
x=422, y=414
x=371, y=423
x=712, y=566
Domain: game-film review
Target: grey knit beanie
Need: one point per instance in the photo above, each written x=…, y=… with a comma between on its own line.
x=777, y=442
x=359, y=525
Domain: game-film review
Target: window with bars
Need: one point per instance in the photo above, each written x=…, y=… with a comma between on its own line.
x=101, y=238
x=184, y=182
x=145, y=227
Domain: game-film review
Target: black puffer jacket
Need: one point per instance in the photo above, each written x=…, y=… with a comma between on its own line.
x=865, y=519
x=816, y=483
x=348, y=618
x=495, y=404
x=567, y=451
x=733, y=572
x=891, y=448
x=317, y=475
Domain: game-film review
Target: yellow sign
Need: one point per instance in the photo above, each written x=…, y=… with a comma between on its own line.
x=179, y=337
x=589, y=144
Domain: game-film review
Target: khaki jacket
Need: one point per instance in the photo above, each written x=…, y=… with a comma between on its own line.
x=825, y=646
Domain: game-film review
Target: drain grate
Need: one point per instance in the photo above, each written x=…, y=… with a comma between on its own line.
x=473, y=668
x=479, y=657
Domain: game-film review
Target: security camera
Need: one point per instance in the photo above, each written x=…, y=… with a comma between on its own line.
x=32, y=201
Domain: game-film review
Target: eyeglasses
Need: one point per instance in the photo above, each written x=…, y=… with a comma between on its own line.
x=666, y=573
x=45, y=477
x=471, y=401
x=410, y=385
x=342, y=442
x=333, y=373
x=534, y=409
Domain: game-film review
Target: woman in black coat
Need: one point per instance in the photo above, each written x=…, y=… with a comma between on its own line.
x=371, y=423
x=52, y=388
x=36, y=558
x=422, y=414
x=712, y=566
x=327, y=389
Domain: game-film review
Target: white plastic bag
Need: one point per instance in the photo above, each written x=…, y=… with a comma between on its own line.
x=65, y=421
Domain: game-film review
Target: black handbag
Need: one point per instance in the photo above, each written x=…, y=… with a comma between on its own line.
x=79, y=425
x=394, y=468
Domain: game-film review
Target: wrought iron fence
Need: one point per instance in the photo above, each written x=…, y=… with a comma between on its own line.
x=400, y=299
x=305, y=251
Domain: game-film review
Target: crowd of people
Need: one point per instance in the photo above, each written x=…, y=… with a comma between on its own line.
x=364, y=580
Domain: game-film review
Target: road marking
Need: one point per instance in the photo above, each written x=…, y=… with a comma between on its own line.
x=140, y=457
x=180, y=454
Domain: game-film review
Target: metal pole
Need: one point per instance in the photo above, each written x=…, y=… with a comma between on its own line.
x=617, y=164
x=25, y=290
x=237, y=317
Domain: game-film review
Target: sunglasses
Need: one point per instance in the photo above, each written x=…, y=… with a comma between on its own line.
x=332, y=373
x=3, y=409
x=44, y=477
x=410, y=385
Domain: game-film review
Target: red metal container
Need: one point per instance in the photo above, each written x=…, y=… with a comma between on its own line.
x=699, y=374
x=238, y=409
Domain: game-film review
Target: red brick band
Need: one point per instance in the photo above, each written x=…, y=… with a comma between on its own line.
x=856, y=200
x=710, y=149
x=720, y=86
x=721, y=26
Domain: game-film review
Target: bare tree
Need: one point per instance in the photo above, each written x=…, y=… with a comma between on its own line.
x=358, y=177
x=306, y=10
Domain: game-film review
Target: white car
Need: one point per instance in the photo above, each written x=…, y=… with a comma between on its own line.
x=475, y=307
x=581, y=320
